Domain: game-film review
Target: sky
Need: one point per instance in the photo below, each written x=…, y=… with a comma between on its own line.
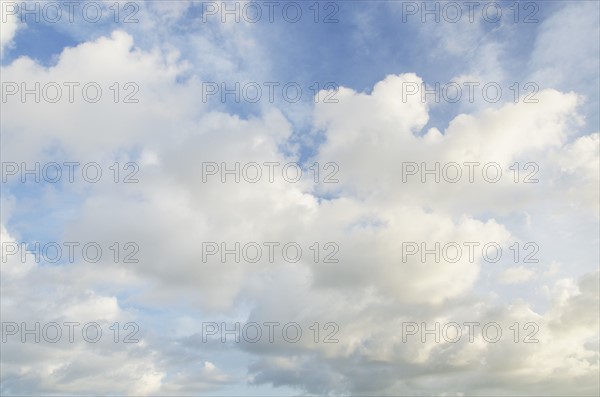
x=384, y=198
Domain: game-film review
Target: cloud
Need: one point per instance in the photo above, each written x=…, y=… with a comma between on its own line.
x=373, y=289
x=8, y=29
x=516, y=275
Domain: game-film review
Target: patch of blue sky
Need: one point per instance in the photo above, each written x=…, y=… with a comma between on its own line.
x=46, y=200
x=369, y=42
x=41, y=42
x=41, y=211
x=539, y=250
x=51, y=26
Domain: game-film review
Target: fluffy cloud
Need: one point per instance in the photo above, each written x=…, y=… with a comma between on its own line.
x=8, y=29
x=516, y=275
x=370, y=293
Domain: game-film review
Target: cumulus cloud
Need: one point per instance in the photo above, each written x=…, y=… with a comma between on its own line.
x=516, y=275
x=379, y=206
x=8, y=29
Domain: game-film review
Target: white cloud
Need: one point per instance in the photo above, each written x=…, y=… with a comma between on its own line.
x=516, y=275
x=8, y=29
x=369, y=293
